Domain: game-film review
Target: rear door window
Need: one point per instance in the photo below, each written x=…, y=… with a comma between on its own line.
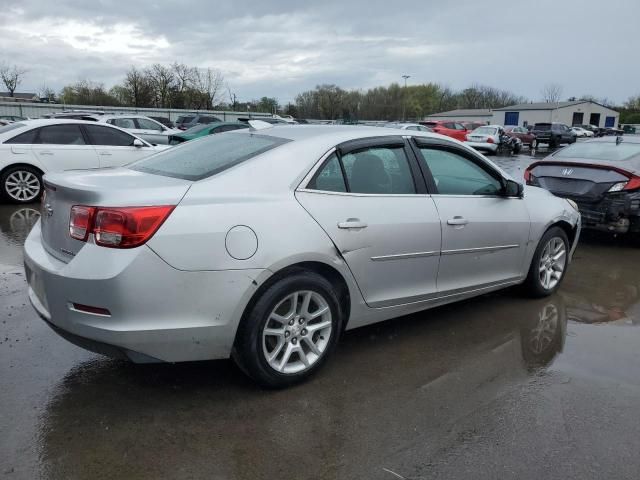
x=329, y=178
x=106, y=136
x=66, y=134
x=126, y=123
x=379, y=170
x=147, y=124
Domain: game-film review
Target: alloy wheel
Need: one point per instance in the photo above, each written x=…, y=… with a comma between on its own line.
x=22, y=185
x=297, y=332
x=545, y=330
x=552, y=263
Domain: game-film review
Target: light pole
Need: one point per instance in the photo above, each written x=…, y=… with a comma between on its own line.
x=404, y=97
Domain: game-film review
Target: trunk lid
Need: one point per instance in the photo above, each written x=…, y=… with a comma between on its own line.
x=584, y=183
x=117, y=187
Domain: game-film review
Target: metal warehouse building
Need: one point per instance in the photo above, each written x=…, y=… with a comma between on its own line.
x=569, y=113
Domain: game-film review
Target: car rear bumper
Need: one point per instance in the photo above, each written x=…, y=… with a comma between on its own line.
x=489, y=147
x=155, y=312
x=616, y=213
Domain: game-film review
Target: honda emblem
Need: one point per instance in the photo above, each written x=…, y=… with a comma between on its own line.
x=567, y=171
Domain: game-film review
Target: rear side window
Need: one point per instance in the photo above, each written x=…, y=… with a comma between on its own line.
x=107, y=136
x=185, y=119
x=329, y=178
x=68, y=134
x=147, y=124
x=207, y=156
x=204, y=119
x=126, y=123
x=24, y=138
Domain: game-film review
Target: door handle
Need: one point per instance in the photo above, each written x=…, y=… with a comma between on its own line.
x=46, y=152
x=106, y=154
x=457, y=220
x=352, y=223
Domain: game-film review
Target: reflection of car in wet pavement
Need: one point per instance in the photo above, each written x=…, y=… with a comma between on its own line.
x=442, y=372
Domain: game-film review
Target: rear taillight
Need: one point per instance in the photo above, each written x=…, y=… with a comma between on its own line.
x=527, y=176
x=490, y=140
x=633, y=183
x=80, y=222
x=121, y=227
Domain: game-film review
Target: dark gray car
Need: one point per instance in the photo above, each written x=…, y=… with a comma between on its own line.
x=602, y=176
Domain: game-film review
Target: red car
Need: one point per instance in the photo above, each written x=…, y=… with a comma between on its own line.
x=527, y=137
x=451, y=129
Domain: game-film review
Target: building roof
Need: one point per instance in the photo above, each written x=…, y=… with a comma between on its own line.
x=546, y=106
x=462, y=112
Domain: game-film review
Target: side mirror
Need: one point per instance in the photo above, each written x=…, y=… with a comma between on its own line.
x=138, y=143
x=513, y=189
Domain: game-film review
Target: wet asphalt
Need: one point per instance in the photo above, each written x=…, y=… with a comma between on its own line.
x=496, y=387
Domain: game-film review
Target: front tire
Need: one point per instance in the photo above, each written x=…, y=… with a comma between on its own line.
x=549, y=263
x=21, y=184
x=290, y=331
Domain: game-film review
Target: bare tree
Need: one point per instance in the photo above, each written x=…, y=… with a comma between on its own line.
x=163, y=80
x=209, y=84
x=552, y=92
x=11, y=77
x=138, y=86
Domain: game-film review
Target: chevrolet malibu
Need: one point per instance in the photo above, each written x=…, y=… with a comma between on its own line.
x=265, y=244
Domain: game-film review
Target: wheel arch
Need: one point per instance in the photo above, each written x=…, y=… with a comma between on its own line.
x=325, y=270
x=569, y=229
x=21, y=164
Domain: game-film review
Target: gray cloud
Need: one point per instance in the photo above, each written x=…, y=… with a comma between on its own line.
x=278, y=48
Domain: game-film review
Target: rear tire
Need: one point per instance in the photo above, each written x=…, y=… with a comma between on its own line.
x=284, y=338
x=21, y=184
x=549, y=264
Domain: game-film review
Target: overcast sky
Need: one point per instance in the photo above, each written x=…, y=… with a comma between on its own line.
x=280, y=47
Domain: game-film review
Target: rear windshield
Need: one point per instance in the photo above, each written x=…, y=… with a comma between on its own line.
x=185, y=119
x=485, y=131
x=207, y=156
x=600, y=151
x=542, y=126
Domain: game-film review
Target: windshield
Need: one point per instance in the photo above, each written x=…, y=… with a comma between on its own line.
x=600, y=151
x=206, y=156
x=484, y=131
x=185, y=119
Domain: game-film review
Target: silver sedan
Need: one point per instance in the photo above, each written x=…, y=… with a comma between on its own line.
x=265, y=244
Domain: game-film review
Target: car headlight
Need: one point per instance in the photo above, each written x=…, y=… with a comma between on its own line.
x=616, y=187
x=573, y=204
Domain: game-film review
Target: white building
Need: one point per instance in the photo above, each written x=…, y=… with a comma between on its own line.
x=569, y=113
x=482, y=115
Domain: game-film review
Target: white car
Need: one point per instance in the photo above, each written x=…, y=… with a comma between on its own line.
x=144, y=127
x=408, y=126
x=31, y=148
x=581, y=132
x=485, y=138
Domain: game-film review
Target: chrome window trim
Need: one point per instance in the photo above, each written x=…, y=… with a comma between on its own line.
x=349, y=194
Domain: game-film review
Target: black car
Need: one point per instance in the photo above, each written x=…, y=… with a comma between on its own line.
x=553, y=134
x=164, y=121
x=602, y=176
x=185, y=122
